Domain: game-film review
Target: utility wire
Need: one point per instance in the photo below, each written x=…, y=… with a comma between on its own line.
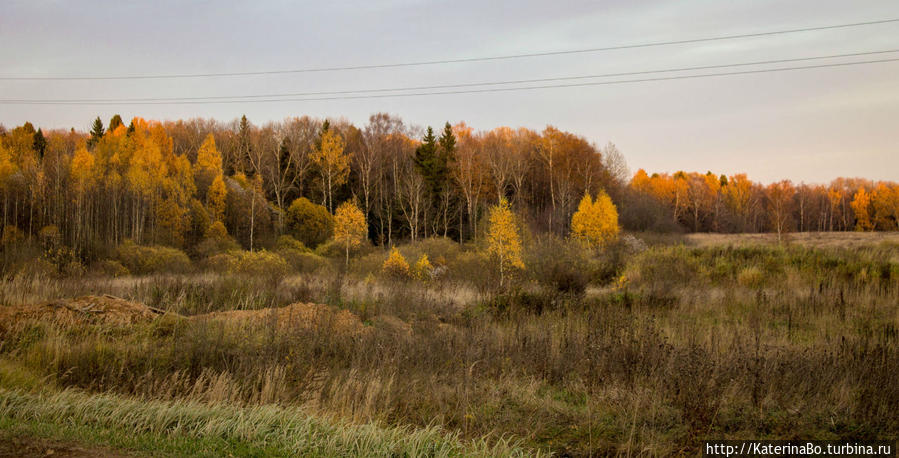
x=448, y=61
x=466, y=91
x=448, y=86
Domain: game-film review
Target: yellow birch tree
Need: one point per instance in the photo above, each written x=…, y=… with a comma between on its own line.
x=595, y=223
x=503, y=241
x=350, y=227
x=333, y=164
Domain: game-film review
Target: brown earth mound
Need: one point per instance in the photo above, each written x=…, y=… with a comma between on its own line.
x=111, y=310
x=295, y=316
x=105, y=309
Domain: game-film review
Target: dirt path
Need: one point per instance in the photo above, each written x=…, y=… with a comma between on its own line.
x=31, y=447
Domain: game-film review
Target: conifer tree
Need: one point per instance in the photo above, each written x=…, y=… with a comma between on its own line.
x=40, y=143
x=97, y=132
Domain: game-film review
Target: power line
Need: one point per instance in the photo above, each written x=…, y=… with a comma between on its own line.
x=466, y=91
x=452, y=61
x=448, y=86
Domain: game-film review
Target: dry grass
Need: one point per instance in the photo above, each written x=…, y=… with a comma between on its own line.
x=808, y=239
x=265, y=428
x=690, y=342
x=292, y=317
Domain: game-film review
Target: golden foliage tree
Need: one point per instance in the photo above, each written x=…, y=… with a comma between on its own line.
x=173, y=221
x=333, y=164
x=503, y=241
x=885, y=200
x=350, y=228
x=861, y=206
x=208, y=169
x=84, y=175
x=780, y=195
x=595, y=223
x=7, y=166
x=83, y=169
x=215, y=198
x=208, y=156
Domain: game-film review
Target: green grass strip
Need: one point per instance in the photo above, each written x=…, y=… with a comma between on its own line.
x=193, y=429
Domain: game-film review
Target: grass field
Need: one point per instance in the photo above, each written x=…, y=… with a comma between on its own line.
x=646, y=351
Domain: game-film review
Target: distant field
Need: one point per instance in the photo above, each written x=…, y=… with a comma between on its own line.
x=811, y=239
x=822, y=240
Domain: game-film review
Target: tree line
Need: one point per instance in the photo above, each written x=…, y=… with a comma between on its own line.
x=170, y=182
x=720, y=203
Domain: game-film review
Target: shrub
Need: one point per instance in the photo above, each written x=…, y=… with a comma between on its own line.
x=216, y=230
x=423, y=269
x=396, y=266
x=50, y=236
x=751, y=277
x=334, y=249
x=309, y=223
x=221, y=263
x=260, y=262
x=11, y=235
x=286, y=242
x=303, y=261
x=141, y=259
x=559, y=265
x=216, y=241
x=110, y=268
x=63, y=258
x=38, y=268
x=474, y=268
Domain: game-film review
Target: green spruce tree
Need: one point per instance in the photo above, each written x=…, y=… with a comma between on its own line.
x=40, y=143
x=97, y=132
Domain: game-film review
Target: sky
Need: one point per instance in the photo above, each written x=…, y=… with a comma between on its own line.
x=809, y=125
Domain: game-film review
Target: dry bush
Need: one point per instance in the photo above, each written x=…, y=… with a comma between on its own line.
x=212, y=246
x=109, y=268
x=219, y=263
x=140, y=259
x=286, y=242
x=559, y=265
x=260, y=262
x=333, y=249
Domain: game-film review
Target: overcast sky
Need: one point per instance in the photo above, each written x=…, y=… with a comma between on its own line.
x=809, y=125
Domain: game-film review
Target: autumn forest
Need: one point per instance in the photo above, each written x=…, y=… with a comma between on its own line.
x=168, y=182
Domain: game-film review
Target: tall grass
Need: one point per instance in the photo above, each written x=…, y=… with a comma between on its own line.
x=685, y=343
x=267, y=428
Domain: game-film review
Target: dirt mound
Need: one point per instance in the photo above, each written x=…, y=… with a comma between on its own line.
x=105, y=309
x=111, y=310
x=295, y=316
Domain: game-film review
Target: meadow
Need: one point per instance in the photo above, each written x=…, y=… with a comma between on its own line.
x=645, y=347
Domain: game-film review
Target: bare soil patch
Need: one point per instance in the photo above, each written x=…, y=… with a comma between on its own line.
x=32, y=447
